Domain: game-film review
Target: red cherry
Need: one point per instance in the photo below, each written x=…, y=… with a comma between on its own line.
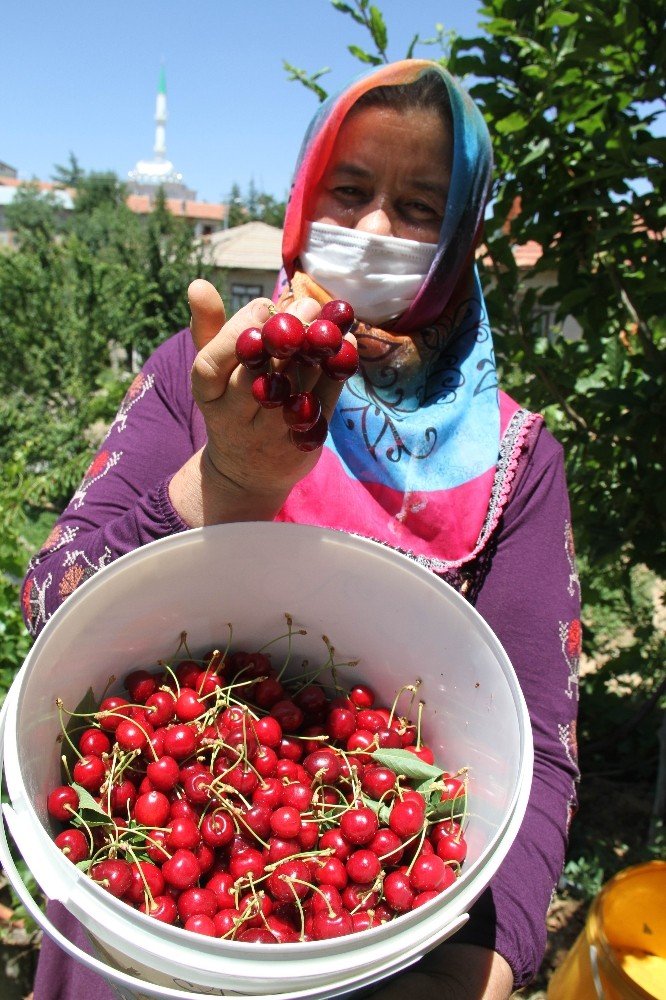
x=313, y=438
x=376, y=781
x=452, y=847
x=201, y=924
x=258, y=820
x=325, y=926
x=94, y=741
x=298, y=795
x=286, y=881
x=387, y=846
x=279, y=849
x=286, y=822
x=333, y=839
x=111, y=712
x=283, y=335
x=62, y=801
x=398, y=891
x=250, y=350
x=248, y=862
x=271, y=389
x=339, y=312
x=268, y=731
x=180, y=741
x=163, y=773
x=152, y=809
x=140, y=685
x=359, y=825
x=362, y=696
x=363, y=866
x=162, y=908
x=423, y=753
x=341, y=723
x=324, y=765
x=113, y=875
x=181, y=870
x=130, y=735
x=342, y=365
x=288, y=715
x=144, y=873
x=183, y=834
x=427, y=873
x=197, y=900
x=302, y=410
x=188, y=707
x=160, y=707
x=323, y=339
x=407, y=817
x=73, y=844
x=331, y=871
x=122, y=797
x=359, y=897
x=89, y=772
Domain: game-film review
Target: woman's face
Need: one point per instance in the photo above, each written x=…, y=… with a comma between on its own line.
x=388, y=174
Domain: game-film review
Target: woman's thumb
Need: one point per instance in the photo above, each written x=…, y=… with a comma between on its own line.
x=207, y=312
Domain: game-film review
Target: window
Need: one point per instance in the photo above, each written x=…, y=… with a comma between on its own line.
x=242, y=294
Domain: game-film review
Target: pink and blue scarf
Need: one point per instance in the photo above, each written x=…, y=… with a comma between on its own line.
x=411, y=455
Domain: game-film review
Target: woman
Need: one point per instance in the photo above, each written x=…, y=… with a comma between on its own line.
x=424, y=454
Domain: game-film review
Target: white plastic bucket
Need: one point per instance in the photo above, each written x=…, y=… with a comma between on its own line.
x=402, y=624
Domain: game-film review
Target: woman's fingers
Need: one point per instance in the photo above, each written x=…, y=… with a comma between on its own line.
x=216, y=360
x=207, y=312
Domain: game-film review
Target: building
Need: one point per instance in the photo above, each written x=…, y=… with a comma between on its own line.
x=248, y=259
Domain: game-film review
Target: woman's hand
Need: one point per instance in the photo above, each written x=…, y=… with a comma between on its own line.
x=452, y=972
x=249, y=465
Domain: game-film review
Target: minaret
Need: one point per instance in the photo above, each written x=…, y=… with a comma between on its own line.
x=150, y=175
x=161, y=118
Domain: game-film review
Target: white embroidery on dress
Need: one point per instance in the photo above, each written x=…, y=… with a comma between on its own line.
x=101, y=464
x=570, y=637
x=574, y=580
x=567, y=736
x=138, y=389
x=37, y=602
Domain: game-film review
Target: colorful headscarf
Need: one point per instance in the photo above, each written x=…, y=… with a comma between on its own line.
x=411, y=455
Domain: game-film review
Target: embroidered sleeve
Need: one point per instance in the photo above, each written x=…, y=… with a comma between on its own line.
x=122, y=501
x=531, y=598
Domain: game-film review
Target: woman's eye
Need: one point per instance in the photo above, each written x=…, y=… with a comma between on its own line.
x=348, y=192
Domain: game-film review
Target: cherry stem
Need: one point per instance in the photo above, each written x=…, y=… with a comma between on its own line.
x=163, y=663
x=66, y=736
x=406, y=687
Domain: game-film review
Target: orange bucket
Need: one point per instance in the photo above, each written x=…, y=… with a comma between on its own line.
x=621, y=952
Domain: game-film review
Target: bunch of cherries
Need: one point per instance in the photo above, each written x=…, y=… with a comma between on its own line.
x=319, y=343
x=224, y=799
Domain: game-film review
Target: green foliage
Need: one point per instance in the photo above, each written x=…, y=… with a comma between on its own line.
x=14, y=639
x=75, y=287
x=254, y=206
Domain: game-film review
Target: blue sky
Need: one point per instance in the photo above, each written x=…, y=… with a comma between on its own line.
x=81, y=75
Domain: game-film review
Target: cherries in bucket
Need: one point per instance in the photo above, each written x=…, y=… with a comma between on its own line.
x=319, y=343
x=225, y=798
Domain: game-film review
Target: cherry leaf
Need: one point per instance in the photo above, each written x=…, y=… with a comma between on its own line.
x=404, y=762
x=89, y=812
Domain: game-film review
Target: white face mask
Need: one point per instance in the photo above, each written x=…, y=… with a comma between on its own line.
x=378, y=275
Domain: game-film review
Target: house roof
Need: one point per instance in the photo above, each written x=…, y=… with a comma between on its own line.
x=142, y=205
x=255, y=246
x=139, y=203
